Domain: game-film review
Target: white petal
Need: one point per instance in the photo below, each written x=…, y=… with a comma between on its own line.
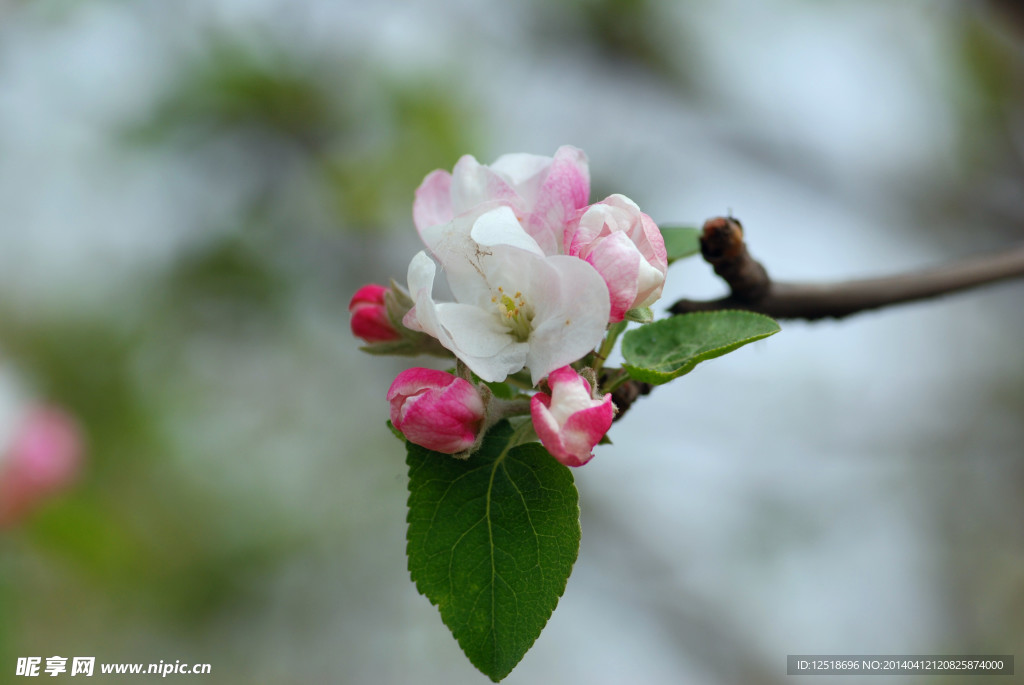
x=421, y=273
x=520, y=167
x=433, y=203
x=500, y=227
x=475, y=331
x=481, y=341
x=569, y=398
x=460, y=258
x=511, y=269
x=649, y=284
x=473, y=183
x=571, y=309
x=448, y=238
x=476, y=269
x=474, y=335
x=423, y=316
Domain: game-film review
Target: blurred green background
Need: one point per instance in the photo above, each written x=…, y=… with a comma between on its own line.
x=190, y=193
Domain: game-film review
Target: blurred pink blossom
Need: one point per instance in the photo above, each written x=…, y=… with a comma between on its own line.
x=42, y=459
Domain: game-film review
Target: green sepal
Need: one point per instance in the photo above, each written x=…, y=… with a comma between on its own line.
x=394, y=431
x=412, y=345
x=501, y=390
x=640, y=315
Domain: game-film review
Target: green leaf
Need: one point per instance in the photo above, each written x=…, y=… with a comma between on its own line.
x=666, y=349
x=681, y=241
x=492, y=541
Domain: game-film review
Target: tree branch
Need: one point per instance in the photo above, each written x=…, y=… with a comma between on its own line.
x=752, y=289
x=626, y=394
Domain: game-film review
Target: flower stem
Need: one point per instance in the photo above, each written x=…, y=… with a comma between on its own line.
x=523, y=433
x=614, y=331
x=615, y=379
x=520, y=380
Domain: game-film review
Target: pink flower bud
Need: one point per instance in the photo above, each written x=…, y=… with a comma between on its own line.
x=436, y=410
x=370, y=316
x=569, y=421
x=626, y=248
x=41, y=460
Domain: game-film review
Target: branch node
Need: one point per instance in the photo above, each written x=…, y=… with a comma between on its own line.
x=723, y=248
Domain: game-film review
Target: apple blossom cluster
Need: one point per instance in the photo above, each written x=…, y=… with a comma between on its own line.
x=541, y=283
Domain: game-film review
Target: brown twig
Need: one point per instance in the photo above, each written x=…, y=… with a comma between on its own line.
x=752, y=289
x=626, y=394
x=723, y=248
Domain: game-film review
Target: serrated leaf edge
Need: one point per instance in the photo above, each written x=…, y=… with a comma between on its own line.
x=507, y=451
x=655, y=377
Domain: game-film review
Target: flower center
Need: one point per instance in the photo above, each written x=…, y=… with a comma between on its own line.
x=515, y=313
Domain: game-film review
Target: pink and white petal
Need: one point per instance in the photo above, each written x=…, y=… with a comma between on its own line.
x=522, y=169
x=445, y=419
x=570, y=171
x=415, y=380
x=622, y=203
x=564, y=192
x=571, y=308
x=499, y=226
x=435, y=409
x=649, y=284
x=582, y=232
x=426, y=424
x=569, y=395
x=553, y=440
x=462, y=398
x=584, y=429
x=473, y=183
x=566, y=376
x=546, y=427
x=618, y=261
x=433, y=203
x=653, y=247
